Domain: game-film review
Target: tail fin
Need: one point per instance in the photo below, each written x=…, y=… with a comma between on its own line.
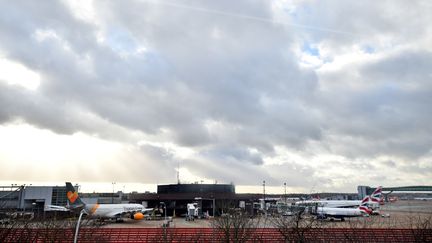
x=364, y=201
x=364, y=207
x=376, y=195
x=73, y=197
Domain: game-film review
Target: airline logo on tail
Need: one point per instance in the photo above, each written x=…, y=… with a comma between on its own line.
x=365, y=209
x=376, y=195
x=72, y=196
x=363, y=206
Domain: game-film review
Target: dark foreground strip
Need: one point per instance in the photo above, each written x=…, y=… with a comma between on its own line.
x=179, y=235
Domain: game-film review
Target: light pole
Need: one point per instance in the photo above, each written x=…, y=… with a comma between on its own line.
x=264, y=203
x=164, y=207
x=34, y=209
x=112, y=197
x=285, y=192
x=78, y=225
x=214, y=207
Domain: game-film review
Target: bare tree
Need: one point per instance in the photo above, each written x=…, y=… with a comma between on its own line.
x=353, y=229
x=14, y=230
x=48, y=229
x=296, y=228
x=235, y=226
x=421, y=227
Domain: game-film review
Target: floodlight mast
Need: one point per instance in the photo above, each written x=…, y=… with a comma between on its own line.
x=78, y=225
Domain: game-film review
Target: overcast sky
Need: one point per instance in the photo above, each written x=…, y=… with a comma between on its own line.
x=321, y=95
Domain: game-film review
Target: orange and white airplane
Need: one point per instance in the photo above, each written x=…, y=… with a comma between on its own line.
x=107, y=211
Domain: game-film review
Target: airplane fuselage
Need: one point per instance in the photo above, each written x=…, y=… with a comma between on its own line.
x=332, y=203
x=339, y=212
x=337, y=203
x=111, y=210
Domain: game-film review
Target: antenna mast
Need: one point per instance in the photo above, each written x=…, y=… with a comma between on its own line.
x=178, y=172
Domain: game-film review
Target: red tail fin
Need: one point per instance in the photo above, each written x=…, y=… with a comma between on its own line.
x=363, y=206
x=364, y=201
x=376, y=195
x=365, y=209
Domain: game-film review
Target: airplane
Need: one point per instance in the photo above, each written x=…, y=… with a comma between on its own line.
x=342, y=213
x=375, y=199
x=105, y=211
x=331, y=203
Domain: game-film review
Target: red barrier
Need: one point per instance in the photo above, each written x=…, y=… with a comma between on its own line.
x=179, y=235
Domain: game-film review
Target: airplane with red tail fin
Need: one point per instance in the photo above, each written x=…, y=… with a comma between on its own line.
x=375, y=200
x=342, y=213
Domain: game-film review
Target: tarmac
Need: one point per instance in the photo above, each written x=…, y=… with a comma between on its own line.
x=399, y=214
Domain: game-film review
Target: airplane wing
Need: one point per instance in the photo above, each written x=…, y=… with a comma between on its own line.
x=147, y=210
x=55, y=208
x=115, y=214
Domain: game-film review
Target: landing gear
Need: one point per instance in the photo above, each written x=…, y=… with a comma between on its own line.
x=189, y=218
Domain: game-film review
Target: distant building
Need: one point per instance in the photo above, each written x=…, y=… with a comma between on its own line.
x=196, y=188
x=104, y=197
x=363, y=191
x=10, y=197
x=34, y=199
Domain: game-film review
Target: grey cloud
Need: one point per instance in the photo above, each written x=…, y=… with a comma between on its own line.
x=389, y=163
x=232, y=154
x=226, y=171
x=294, y=174
x=205, y=62
x=403, y=68
x=221, y=87
x=368, y=23
x=391, y=115
x=417, y=169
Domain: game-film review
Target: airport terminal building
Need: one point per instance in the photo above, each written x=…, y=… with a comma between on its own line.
x=35, y=199
x=213, y=199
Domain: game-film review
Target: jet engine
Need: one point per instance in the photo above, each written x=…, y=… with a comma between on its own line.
x=137, y=216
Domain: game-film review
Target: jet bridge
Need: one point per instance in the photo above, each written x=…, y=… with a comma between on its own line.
x=366, y=190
